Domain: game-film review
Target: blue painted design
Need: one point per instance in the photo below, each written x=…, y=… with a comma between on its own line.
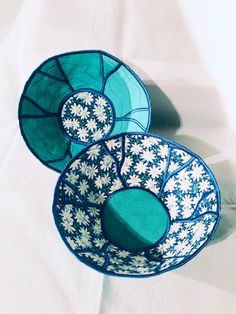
x=87, y=116
x=187, y=190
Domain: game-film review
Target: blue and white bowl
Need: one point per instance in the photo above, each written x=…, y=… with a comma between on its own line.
x=136, y=205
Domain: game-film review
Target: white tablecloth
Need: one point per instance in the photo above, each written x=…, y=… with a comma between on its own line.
x=185, y=52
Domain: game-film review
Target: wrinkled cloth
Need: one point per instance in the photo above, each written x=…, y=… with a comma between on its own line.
x=184, y=52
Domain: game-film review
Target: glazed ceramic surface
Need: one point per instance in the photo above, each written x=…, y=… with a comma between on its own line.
x=74, y=99
x=136, y=205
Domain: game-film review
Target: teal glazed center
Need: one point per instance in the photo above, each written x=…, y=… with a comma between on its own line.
x=134, y=219
x=87, y=116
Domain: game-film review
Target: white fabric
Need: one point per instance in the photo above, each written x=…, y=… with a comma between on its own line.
x=187, y=48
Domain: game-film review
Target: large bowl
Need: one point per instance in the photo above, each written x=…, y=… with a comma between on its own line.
x=136, y=205
x=74, y=99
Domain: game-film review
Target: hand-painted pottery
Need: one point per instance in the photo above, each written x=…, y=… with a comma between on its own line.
x=136, y=205
x=74, y=99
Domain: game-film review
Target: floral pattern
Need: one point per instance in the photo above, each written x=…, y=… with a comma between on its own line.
x=179, y=179
x=87, y=116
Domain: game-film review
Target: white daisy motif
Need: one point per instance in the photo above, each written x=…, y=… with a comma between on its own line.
x=93, y=152
x=82, y=134
x=148, y=155
x=134, y=180
x=180, y=247
x=211, y=196
x=84, y=113
x=126, y=165
x=98, y=110
x=84, y=232
x=75, y=109
x=187, y=212
x=163, y=150
x=174, y=211
x=138, y=261
x=102, y=117
x=99, y=242
x=171, y=200
x=170, y=242
x=147, y=142
x=75, y=124
x=72, y=243
x=100, y=101
x=68, y=226
x=83, y=242
x=72, y=177
x=112, y=144
x=91, y=197
x=141, y=167
x=66, y=213
x=151, y=185
x=173, y=166
x=183, y=174
x=116, y=185
x=123, y=253
x=98, y=259
x=175, y=227
x=106, y=179
x=183, y=234
x=83, y=187
x=210, y=227
x=100, y=198
x=97, y=135
x=97, y=229
x=87, y=98
x=154, y=171
x=204, y=185
x=136, y=149
x=203, y=209
x=81, y=217
x=184, y=156
x=162, y=165
x=185, y=185
x=99, y=182
x=106, y=162
x=91, y=171
x=170, y=185
x=68, y=123
x=198, y=230
x=187, y=248
x=214, y=208
x=162, y=248
x=93, y=211
x=75, y=164
x=197, y=172
x=106, y=128
x=83, y=167
x=91, y=125
x=68, y=190
x=187, y=201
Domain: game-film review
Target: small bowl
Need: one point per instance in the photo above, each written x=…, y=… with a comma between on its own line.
x=136, y=205
x=74, y=99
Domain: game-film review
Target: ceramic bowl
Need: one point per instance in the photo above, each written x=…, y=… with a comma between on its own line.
x=136, y=205
x=74, y=99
